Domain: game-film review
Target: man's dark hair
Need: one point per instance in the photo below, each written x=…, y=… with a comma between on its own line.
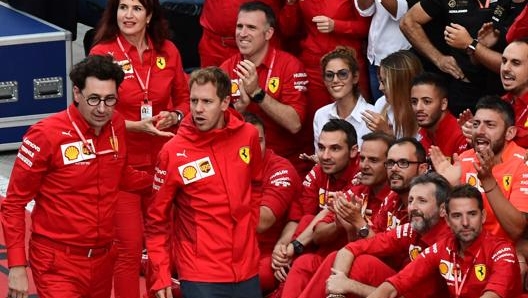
x=101, y=67
x=260, y=6
x=253, y=119
x=379, y=136
x=465, y=191
x=434, y=79
x=344, y=126
x=495, y=103
x=442, y=186
x=419, y=149
x=214, y=75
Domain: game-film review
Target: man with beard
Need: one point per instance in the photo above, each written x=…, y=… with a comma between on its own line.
x=268, y=82
x=514, y=78
x=350, y=215
x=473, y=262
x=405, y=160
x=495, y=166
x=337, y=168
x=364, y=264
x=437, y=125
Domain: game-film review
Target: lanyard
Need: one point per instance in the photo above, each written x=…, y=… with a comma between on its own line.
x=271, y=68
x=144, y=86
x=89, y=146
x=458, y=288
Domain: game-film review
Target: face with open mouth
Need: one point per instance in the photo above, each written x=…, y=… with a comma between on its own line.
x=252, y=33
x=489, y=131
x=514, y=68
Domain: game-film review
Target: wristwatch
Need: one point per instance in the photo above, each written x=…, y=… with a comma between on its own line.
x=472, y=47
x=363, y=231
x=258, y=97
x=298, y=247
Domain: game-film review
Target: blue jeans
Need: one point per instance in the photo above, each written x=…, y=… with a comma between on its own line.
x=244, y=289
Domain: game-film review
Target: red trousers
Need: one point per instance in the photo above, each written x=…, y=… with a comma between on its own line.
x=371, y=271
x=59, y=273
x=300, y=274
x=128, y=225
x=268, y=283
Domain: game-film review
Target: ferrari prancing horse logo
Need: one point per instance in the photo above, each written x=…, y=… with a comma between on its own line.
x=244, y=154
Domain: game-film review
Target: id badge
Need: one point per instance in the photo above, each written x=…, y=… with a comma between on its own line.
x=146, y=109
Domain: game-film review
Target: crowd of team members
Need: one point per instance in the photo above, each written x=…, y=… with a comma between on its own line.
x=438, y=111
x=417, y=184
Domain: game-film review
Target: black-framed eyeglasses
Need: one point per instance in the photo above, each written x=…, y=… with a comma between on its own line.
x=342, y=75
x=95, y=100
x=402, y=163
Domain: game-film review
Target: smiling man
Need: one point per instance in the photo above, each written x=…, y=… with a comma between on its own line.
x=210, y=174
x=495, y=166
x=268, y=82
x=437, y=125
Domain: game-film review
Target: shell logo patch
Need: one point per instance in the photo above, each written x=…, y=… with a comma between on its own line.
x=471, y=179
x=273, y=84
x=71, y=152
x=322, y=197
x=235, y=87
x=480, y=271
x=244, y=154
x=506, y=182
x=189, y=172
x=160, y=62
x=196, y=170
x=126, y=66
x=414, y=252
x=446, y=270
x=76, y=152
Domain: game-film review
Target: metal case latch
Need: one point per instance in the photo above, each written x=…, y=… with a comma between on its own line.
x=8, y=91
x=47, y=87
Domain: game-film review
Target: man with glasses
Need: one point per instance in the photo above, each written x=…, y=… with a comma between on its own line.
x=406, y=159
x=268, y=82
x=362, y=265
x=72, y=164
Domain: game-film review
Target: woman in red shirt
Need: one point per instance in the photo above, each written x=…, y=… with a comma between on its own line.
x=153, y=99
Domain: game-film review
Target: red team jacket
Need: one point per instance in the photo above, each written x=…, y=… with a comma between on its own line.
x=448, y=136
x=207, y=177
x=74, y=191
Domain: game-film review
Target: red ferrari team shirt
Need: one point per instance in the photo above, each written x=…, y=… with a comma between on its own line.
x=511, y=176
x=400, y=245
x=282, y=77
x=392, y=213
x=167, y=90
x=73, y=188
x=280, y=185
x=448, y=136
x=488, y=264
x=520, y=107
